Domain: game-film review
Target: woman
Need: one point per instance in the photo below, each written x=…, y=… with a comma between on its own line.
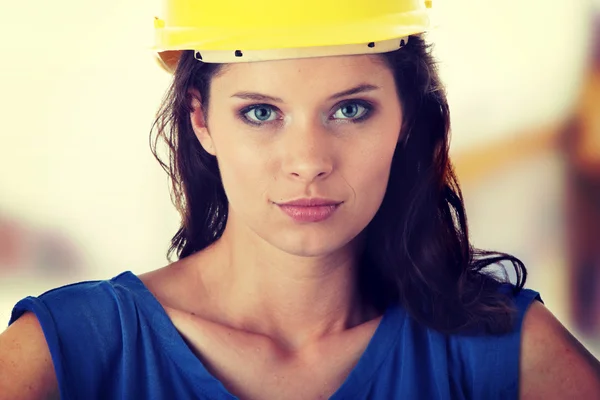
x=323, y=250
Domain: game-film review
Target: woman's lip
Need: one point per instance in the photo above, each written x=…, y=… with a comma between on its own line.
x=311, y=202
x=309, y=213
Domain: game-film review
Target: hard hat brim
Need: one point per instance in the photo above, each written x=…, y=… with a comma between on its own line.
x=270, y=42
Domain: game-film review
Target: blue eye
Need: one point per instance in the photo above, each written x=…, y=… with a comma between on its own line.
x=354, y=111
x=259, y=113
x=350, y=111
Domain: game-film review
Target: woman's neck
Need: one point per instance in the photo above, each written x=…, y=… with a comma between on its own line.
x=293, y=300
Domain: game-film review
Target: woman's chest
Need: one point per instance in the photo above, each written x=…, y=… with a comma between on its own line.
x=254, y=367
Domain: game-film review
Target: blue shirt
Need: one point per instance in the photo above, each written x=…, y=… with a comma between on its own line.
x=113, y=340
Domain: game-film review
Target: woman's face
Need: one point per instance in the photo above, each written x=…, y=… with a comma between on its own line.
x=302, y=129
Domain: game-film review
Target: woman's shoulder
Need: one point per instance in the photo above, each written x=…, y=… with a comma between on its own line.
x=83, y=299
x=553, y=364
x=537, y=358
x=505, y=346
x=95, y=330
x=472, y=364
x=486, y=364
x=80, y=315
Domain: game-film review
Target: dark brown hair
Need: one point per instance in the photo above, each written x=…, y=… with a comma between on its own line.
x=417, y=251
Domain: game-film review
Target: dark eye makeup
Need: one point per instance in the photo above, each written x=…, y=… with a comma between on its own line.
x=353, y=111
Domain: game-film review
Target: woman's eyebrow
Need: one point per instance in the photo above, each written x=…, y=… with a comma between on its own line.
x=257, y=97
x=365, y=87
x=263, y=97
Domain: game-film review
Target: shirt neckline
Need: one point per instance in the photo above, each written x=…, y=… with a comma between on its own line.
x=383, y=340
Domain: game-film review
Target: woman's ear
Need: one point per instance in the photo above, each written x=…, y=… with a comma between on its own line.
x=198, y=120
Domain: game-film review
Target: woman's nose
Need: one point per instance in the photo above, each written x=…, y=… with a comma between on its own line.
x=308, y=152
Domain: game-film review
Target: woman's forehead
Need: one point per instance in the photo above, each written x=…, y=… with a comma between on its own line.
x=338, y=70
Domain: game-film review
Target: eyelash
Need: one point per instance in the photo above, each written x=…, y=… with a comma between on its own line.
x=366, y=105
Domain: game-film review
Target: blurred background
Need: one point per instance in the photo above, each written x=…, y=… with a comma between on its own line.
x=82, y=198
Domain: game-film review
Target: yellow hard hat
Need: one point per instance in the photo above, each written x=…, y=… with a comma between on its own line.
x=226, y=31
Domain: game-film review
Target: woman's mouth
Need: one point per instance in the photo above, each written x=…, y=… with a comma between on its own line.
x=310, y=210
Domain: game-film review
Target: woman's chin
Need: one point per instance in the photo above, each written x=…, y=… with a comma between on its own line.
x=314, y=245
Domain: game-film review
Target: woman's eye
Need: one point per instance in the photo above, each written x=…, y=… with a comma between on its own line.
x=351, y=111
x=263, y=113
x=259, y=113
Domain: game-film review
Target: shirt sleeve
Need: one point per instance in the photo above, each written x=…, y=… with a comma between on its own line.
x=497, y=372
x=81, y=324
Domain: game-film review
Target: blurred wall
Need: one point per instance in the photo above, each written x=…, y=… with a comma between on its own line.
x=81, y=197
